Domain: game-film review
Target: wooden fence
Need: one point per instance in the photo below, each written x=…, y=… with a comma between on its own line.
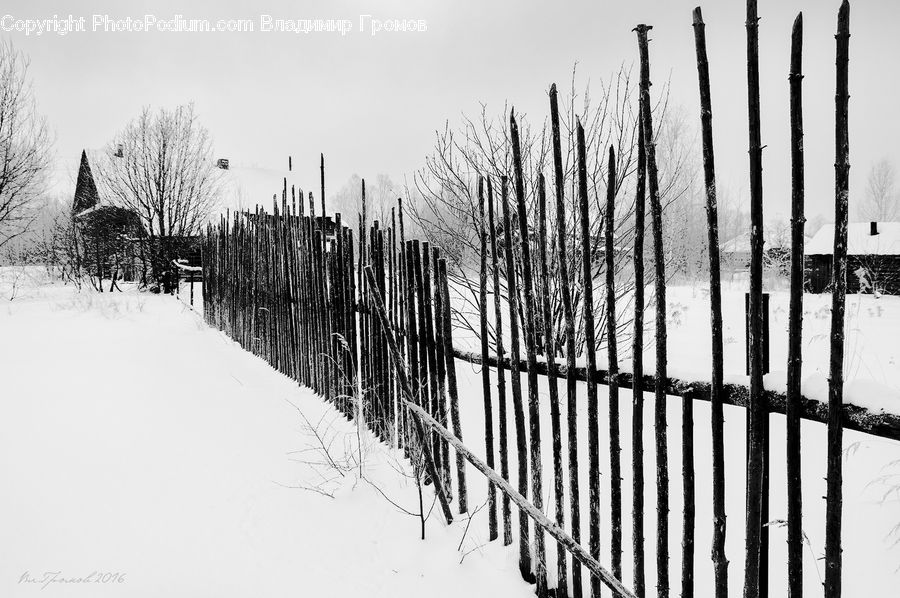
x=363, y=317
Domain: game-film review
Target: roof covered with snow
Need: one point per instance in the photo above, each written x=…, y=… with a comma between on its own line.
x=773, y=239
x=860, y=241
x=245, y=187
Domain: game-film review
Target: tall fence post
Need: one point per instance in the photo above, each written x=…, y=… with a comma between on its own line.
x=501, y=374
x=569, y=316
x=587, y=278
x=834, y=498
x=795, y=320
x=559, y=490
x=516, y=383
x=447, y=336
x=534, y=413
x=637, y=370
x=615, y=466
x=662, y=462
x=485, y=369
x=720, y=562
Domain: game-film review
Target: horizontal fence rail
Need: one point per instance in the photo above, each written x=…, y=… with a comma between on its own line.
x=859, y=419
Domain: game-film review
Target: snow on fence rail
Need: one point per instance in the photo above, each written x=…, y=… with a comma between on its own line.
x=289, y=286
x=860, y=419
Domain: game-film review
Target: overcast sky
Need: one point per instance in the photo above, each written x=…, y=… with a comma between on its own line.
x=372, y=103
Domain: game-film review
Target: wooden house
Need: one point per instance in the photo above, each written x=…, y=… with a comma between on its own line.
x=873, y=258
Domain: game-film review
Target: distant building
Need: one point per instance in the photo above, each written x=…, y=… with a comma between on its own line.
x=873, y=258
x=735, y=253
x=113, y=242
x=106, y=233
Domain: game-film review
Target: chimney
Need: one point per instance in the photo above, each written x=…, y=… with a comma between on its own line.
x=222, y=163
x=873, y=228
x=120, y=151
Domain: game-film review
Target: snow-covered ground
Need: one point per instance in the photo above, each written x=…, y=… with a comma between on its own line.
x=136, y=440
x=872, y=354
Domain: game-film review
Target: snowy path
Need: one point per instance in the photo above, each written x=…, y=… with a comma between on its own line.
x=135, y=440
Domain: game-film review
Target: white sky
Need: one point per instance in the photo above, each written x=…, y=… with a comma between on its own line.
x=371, y=104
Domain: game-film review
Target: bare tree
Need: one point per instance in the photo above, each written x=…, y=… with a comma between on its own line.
x=25, y=146
x=162, y=167
x=381, y=195
x=446, y=205
x=882, y=202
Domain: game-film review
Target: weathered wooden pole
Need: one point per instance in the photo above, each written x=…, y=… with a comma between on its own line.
x=720, y=562
x=404, y=322
x=424, y=393
x=341, y=309
x=315, y=301
x=431, y=352
x=834, y=498
x=322, y=198
x=615, y=465
x=364, y=353
x=559, y=489
x=380, y=349
x=662, y=462
x=447, y=337
x=501, y=373
x=757, y=411
x=353, y=314
x=534, y=410
x=587, y=278
x=377, y=304
x=795, y=320
x=324, y=308
x=569, y=315
x=440, y=395
x=516, y=382
x=637, y=368
x=302, y=302
x=485, y=370
x=392, y=293
x=412, y=341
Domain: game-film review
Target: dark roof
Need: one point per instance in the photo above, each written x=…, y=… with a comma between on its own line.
x=86, y=195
